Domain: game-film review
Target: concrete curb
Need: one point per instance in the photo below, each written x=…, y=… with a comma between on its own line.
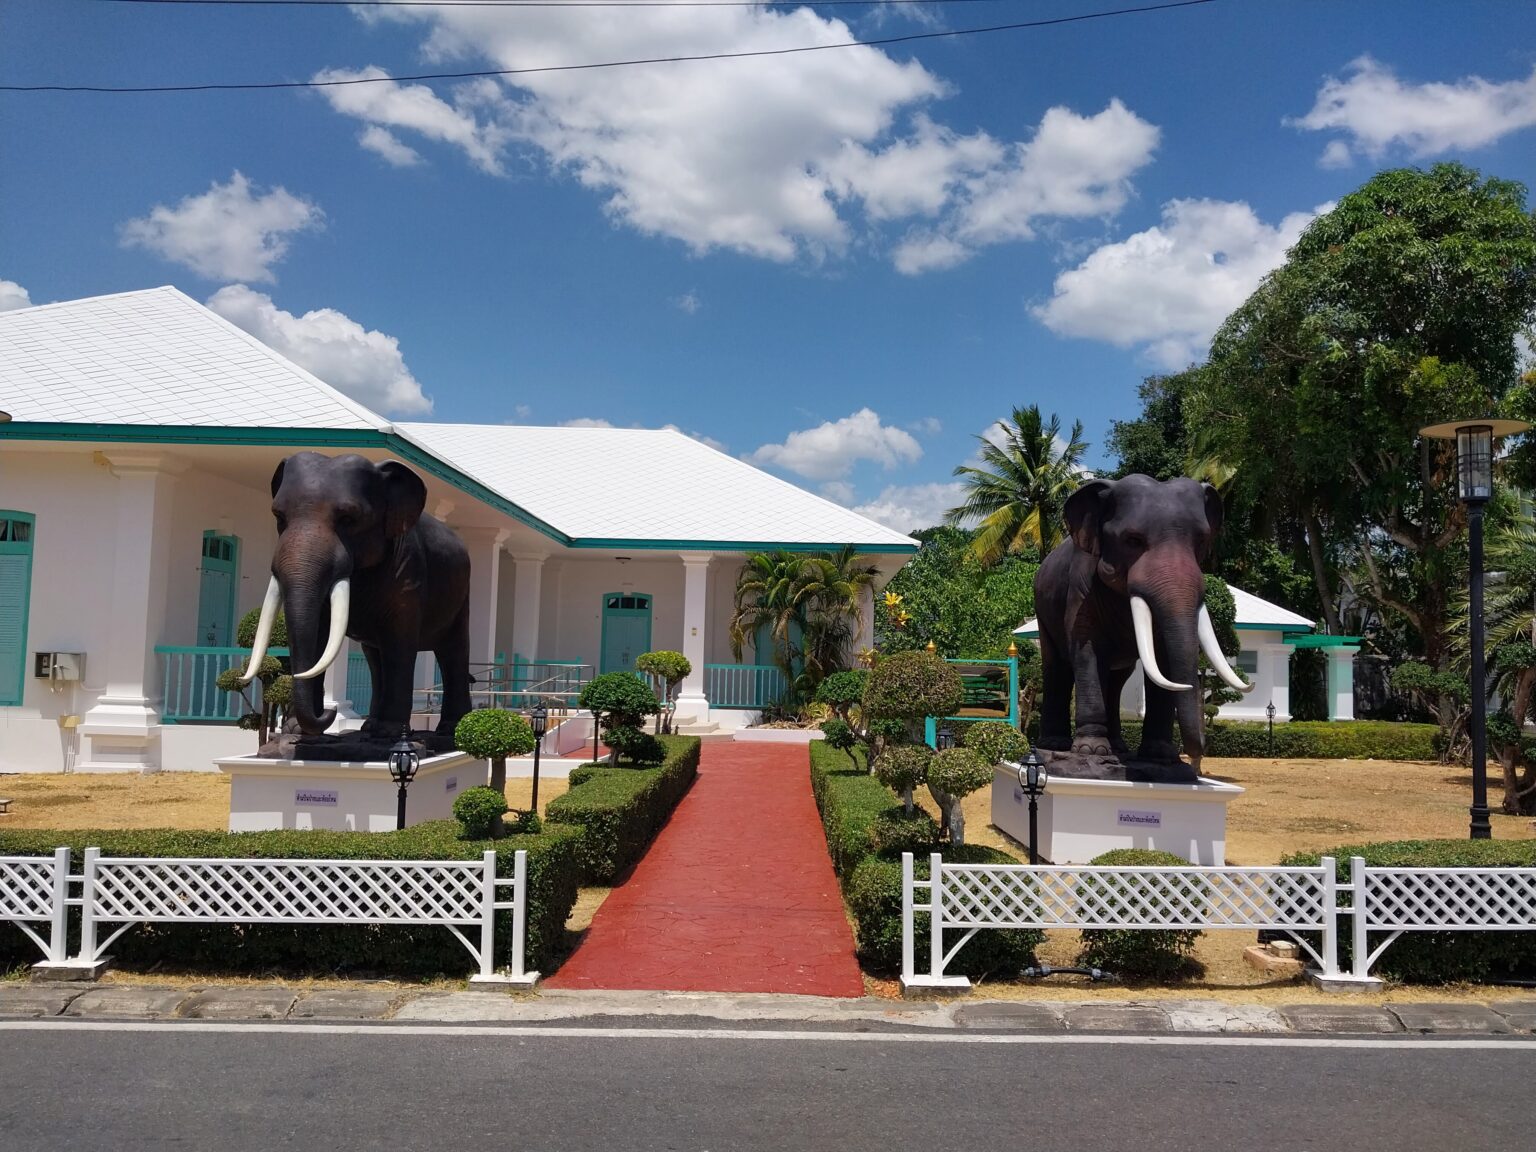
x=386, y=1003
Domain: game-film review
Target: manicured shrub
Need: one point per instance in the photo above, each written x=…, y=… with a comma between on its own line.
x=1314, y=739
x=839, y=734
x=842, y=690
x=911, y=686
x=896, y=831
x=622, y=809
x=479, y=812
x=494, y=734
x=953, y=774
x=849, y=799
x=902, y=767
x=358, y=949
x=882, y=732
x=245, y=631
x=620, y=700
x=1441, y=957
x=672, y=667
x=636, y=745
x=995, y=741
x=1139, y=953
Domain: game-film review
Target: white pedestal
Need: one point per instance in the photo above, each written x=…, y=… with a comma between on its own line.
x=352, y=797
x=1082, y=819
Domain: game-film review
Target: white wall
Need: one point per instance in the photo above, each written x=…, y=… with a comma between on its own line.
x=1271, y=681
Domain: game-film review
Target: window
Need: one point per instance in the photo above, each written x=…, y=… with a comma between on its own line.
x=15, y=593
x=1247, y=662
x=629, y=603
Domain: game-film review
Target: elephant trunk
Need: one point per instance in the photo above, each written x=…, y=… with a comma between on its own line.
x=1167, y=602
x=316, y=597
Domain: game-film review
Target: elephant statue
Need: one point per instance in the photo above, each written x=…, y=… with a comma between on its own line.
x=1127, y=584
x=356, y=557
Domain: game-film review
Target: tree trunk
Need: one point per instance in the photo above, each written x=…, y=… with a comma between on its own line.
x=1320, y=573
x=906, y=798
x=499, y=782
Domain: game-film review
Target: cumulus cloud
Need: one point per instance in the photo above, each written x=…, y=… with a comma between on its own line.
x=389, y=146
x=839, y=492
x=908, y=507
x=928, y=426
x=689, y=302
x=228, y=233
x=585, y=422
x=774, y=157
x=364, y=364
x=830, y=450
x=709, y=441
x=1377, y=111
x=1169, y=288
x=13, y=295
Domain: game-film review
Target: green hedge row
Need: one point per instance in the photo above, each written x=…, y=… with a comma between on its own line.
x=1313, y=739
x=1442, y=957
x=554, y=874
x=851, y=801
x=622, y=809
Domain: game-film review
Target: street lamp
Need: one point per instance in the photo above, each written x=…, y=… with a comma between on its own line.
x=945, y=738
x=538, y=719
x=403, y=762
x=1269, y=710
x=1033, y=778
x=1474, y=485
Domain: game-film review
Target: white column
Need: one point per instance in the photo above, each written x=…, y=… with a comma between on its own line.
x=484, y=546
x=1278, y=657
x=527, y=597
x=336, y=695
x=1341, y=683
x=123, y=728
x=691, y=700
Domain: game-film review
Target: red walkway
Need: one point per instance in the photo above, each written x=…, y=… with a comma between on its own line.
x=737, y=894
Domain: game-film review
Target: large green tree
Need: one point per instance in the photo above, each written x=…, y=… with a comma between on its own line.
x=1015, y=494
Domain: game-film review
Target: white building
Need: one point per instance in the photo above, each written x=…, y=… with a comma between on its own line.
x=135, y=530
x=1268, y=635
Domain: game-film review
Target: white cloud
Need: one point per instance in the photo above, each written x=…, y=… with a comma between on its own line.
x=585, y=422
x=13, y=295
x=717, y=445
x=1169, y=288
x=908, y=507
x=522, y=411
x=1377, y=111
x=227, y=233
x=928, y=426
x=389, y=146
x=830, y=450
x=364, y=364
x=688, y=302
x=773, y=156
x=839, y=492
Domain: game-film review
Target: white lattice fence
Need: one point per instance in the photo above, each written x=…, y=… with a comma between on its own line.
x=34, y=890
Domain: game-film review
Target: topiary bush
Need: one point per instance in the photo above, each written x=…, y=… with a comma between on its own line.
x=902, y=767
x=673, y=668
x=619, y=700
x=245, y=631
x=953, y=774
x=896, y=830
x=1163, y=955
x=995, y=741
x=479, y=812
x=636, y=745
x=912, y=686
x=1314, y=739
x=841, y=691
x=839, y=734
x=494, y=734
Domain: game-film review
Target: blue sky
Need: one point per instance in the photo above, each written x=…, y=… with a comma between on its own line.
x=842, y=265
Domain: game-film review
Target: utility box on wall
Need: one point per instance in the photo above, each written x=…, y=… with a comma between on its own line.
x=59, y=665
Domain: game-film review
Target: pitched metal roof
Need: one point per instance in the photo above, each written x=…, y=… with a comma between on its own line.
x=638, y=487
x=1253, y=614
x=157, y=357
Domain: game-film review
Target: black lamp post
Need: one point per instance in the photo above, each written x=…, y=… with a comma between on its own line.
x=945, y=738
x=1474, y=476
x=1269, y=710
x=403, y=762
x=538, y=719
x=1032, y=778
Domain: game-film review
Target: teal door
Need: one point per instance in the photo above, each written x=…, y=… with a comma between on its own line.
x=15, y=592
x=215, y=618
x=626, y=630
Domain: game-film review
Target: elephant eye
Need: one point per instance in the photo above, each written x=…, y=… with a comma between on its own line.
x=282, y=521
x=1135, y=540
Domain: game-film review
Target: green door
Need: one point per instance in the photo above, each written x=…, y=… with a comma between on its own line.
x=15, y=592
x=215, y=620
x=626, y=630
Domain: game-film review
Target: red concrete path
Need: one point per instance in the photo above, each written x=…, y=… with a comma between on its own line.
x=737, y=893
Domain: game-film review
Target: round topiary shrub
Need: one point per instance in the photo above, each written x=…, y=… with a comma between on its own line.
x=1139, y=953
x=895, y=831
x=479, y=812
x=912, y=686
x=245, y=631
x=996, y=740
x=621, y=700
x=842, y=690
x=494, y=734
x=635, y=744
x=672, y=667
x=954, y=774
x=902, y=767
x=839, y=734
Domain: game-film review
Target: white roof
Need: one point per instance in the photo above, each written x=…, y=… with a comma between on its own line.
x=630, y=484
x=156, y=357
x=1252, y=613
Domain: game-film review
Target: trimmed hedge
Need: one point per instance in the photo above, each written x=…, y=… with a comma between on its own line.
x=622, y=809
x=1313, y=739
x=849, y=799
x=418, y=950
x=1164, y=954
x=1441, y=957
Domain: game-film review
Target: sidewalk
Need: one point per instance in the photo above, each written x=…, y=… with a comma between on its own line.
x=737, y=893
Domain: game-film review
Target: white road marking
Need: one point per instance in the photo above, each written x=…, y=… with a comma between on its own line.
x=523, y=1031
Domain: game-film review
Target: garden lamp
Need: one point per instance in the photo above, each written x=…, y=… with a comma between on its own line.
x=1269, y=710
x=1033, y=778
x=538, y=720
x=403, y=762
x=946, y=738
x=1474, y=485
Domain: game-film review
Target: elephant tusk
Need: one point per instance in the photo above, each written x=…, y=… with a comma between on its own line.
x=1213, y=653
x=341, y=602
x=1141, y=617
x=264, y=625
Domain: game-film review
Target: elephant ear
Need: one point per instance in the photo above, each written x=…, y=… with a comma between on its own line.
x=277, y=477
x=1086, y=509
x=405, y=496
x=1214, y=513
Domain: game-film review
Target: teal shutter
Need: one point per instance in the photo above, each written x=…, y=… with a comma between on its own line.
x=15, y=594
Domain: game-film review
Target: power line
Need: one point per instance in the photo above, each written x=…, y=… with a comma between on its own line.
x=908, y=38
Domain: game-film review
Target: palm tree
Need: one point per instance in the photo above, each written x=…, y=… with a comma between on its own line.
x=772, y=592
x=1021, y=485
x=836, y=582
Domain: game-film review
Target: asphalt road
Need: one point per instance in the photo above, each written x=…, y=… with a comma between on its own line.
x=243, y=1088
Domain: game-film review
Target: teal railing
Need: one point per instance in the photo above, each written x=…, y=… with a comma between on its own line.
x=991, y=693
x=189, y=683
x=359, y=683
x=743, y=685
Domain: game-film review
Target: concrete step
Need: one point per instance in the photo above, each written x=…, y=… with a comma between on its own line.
x=695, y=729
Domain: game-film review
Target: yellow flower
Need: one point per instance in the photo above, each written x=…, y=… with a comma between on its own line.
x=893, y=599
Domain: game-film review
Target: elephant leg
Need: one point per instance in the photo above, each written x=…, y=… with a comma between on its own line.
x=1113, y=681
x=1091, y=735
x=394, y=689
x=1056, y=698
x=373, y=724
x=1157, y=727
x=452, y=653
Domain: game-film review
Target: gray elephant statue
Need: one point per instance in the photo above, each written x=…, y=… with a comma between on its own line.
x=1128, y=584
x=356, y=557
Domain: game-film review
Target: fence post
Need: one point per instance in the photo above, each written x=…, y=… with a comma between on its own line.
x=519, y=912
x=908, y=949
x=1330, y=915
x=88, y=907
x=488, y=913
x=936, y=916
x=58, y=933
x=1359, y=951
